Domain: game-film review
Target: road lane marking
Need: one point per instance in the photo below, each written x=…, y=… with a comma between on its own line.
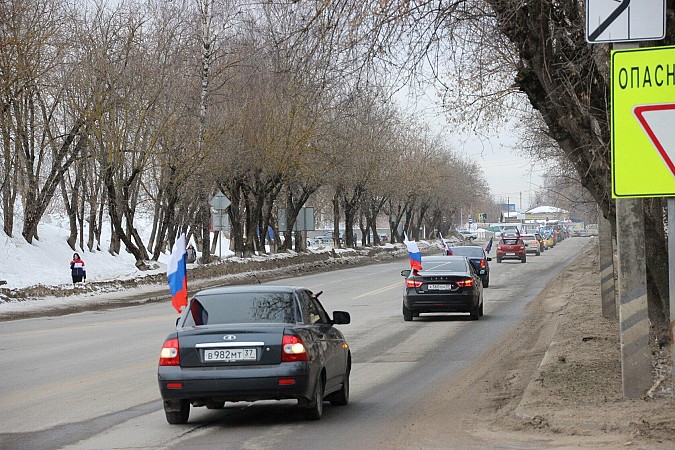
x=379, y=291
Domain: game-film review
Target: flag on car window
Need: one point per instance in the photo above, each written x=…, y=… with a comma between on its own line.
x=414, y=253
x=176, y=272
x=200, y=315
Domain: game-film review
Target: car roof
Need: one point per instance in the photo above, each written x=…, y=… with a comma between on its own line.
x=248, y=289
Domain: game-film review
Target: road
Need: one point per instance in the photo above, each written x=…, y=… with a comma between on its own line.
x=88, y=380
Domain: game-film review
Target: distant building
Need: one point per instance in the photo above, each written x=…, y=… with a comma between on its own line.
x=543, y=214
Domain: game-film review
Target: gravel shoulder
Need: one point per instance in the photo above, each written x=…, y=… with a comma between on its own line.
x=553, y=382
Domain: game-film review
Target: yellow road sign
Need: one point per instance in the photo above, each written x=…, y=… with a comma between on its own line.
x=643, y=122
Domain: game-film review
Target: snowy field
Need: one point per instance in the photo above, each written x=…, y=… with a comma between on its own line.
x=47, y=261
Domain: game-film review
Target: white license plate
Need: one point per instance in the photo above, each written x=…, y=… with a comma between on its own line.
x=439, y=287
x=230, y=354
x=510, y=254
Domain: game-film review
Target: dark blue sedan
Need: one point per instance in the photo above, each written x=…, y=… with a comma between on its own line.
x=254, y=343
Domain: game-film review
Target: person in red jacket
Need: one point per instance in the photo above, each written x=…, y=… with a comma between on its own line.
x=77, y=270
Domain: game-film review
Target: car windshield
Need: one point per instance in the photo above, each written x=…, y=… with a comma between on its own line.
x=241, y=307
x=449, y=265
x=475, y=252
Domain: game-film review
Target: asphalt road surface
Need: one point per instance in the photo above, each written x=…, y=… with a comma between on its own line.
x=88, y=380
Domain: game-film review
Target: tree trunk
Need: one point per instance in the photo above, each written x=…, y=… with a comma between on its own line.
x=69, y=205
x=116, y=217
x=336, y=212
x=38, y=199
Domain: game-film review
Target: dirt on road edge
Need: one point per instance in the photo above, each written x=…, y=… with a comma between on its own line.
x=553, y=382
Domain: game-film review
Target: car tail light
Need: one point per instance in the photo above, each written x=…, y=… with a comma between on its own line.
x=412, y=283
x=293, y=349
x=466, y=282
x=483, y=263
x=169, y=356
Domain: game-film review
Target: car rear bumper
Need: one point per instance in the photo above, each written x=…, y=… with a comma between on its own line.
x=439, y=303
x=236, y=384
x=511, y=255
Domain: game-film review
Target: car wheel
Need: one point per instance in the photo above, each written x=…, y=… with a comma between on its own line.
x=480, y=312
x=499, y=259
x=475, y=312
x=486, y=282
x=538, y=253
x=524, y=259
x=341, y=398
x=178, y=417
x=407, y=314
x=315, y=408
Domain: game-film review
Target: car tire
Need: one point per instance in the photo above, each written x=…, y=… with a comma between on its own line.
x=524, y=260
x=538, y=253
x=178, y=417
x=407, y=314
x=486, y=282
x=341, y=397
x=480, y=312
x=475, y=312
x=314, y=409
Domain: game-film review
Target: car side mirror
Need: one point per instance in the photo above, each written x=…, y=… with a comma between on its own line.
x=405, y=273
x=489, y=259
x=341, y=318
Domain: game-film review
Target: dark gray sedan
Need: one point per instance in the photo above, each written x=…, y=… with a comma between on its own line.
x=254, y=343
x=446, y=284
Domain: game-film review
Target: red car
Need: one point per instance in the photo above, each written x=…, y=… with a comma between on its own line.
x=511, y=246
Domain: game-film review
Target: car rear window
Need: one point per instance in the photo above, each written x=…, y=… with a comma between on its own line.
x=452, y=265
x=244, y=307
x=476, y=252
x=510, y=241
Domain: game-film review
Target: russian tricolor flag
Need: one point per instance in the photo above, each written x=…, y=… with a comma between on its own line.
x=414, y=253
x=177, y=273
x=445, y=244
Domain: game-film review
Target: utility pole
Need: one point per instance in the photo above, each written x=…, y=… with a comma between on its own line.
x=671, y=280
x=636, y=358
x=607, y=285
x=626, y=27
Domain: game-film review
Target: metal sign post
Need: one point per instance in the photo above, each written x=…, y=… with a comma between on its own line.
x=671, y=279
x=220, y=219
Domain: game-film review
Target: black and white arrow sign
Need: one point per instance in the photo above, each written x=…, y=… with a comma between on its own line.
x=625, y=20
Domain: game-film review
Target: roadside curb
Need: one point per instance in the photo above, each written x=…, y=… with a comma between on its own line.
x=33, y=302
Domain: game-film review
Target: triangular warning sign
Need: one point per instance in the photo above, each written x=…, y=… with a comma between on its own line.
x=658, y=122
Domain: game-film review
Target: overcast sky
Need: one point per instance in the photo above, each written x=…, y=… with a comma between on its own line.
x=511, y=176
